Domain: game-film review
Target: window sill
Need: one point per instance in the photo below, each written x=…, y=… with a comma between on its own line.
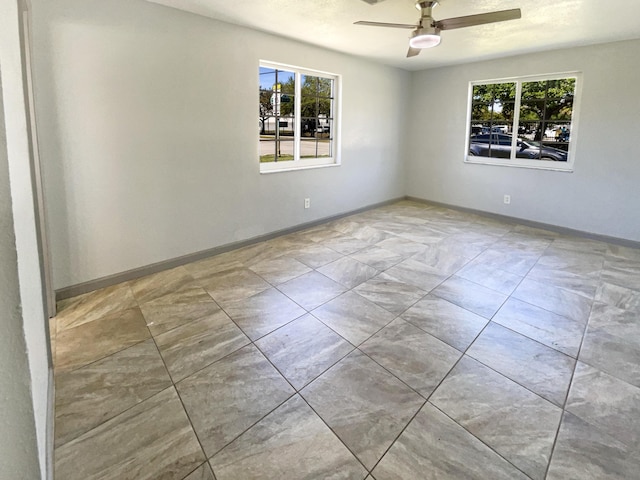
x=531, y=164
x=272, y=168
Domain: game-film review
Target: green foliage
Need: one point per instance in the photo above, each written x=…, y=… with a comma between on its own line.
x=546, y=100
x=316, y=97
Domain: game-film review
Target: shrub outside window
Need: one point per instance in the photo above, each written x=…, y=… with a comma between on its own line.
x=524, y=122
x=298, y=124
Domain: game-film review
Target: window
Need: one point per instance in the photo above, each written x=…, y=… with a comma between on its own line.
x=525, y=122
x=298, y=121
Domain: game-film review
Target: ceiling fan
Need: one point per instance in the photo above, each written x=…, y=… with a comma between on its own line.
x=426, y=33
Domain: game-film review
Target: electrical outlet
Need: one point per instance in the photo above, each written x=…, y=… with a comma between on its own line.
x=307, y=203
x=507, y=199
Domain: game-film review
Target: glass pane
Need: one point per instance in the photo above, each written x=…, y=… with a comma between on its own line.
x=482, y=94
x=531, y=110
x=534, y=90
x=528, y=130
x=481, y=112
x=276, y=150
x=276, y=116
x=315, y=148
x=503, y=113
x=562, y=88
x=561, y=109
x=495, y=145
x=561, y=134
x=504, y=92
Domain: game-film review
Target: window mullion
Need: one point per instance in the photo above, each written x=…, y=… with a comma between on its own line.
x=515, y=127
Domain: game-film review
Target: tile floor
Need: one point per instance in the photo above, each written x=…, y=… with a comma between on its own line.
x=406, y=342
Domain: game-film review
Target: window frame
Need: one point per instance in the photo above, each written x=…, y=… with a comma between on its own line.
x=336, y=97
x=513, y=161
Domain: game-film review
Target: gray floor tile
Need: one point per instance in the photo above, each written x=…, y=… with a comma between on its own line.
x=311, y=290
x=612, y=342
x=390, y=294
x=193, y=346
x=622, y=271
x=228, y=397
x=315, y=256
x=255, y=253
x=423, y=234
x=492, y=278
x=415, y=357
x=563, y=258
x=516, y=423
x=162, y=283
x=441, y=258
x=580, y=245
x=471, y=296
x=401, y=246
x=554, y=299
x=468, y=244
x=517, y=262
x=203, y=472
x=348, y=272
x=206, y=268
x=93, y=305
x=263, y=312
x=364, y=405
x=444, y=320
x=370, y=235
x=90, y=395
x=541, y=369
x=289, y=443
x=185, y=296
x=434, y=447
x=135, y=444
x=378, y=258
x=611, y=405
x=618, y=252
x=235, y=284
x=161, y=318
x=279, y=270
x=562, y=333
x=618, y=296
x=108, y=417
x=580, y=284
x=417, y=274
x=303, y=349
x=353, y=317
x=345, y=244
x=107, y=335
x=584, y=452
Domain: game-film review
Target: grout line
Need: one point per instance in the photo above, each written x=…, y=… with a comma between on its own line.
x=566, y=399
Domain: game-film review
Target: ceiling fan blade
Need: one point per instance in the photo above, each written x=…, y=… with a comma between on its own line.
x=382, y=24
x=480, y=19
x=373, y=2
x=413, y=52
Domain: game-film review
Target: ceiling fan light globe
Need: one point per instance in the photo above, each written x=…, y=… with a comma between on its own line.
x=424, y=40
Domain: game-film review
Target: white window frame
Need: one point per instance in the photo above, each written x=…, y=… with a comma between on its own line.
x=305, y=163
x=567, y=166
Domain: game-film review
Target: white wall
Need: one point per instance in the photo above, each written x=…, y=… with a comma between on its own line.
x=148, y=131
x=18, y=446
x=601, y=196
x=24, y=365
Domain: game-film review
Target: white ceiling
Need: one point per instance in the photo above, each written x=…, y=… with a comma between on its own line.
x=545, y=25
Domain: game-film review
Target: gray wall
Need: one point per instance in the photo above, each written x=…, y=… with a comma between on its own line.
x=18, y=446
x=601, y=196
x=148, y=132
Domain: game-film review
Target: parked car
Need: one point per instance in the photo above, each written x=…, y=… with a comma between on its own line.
x=322, y=129
x=501, y=148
